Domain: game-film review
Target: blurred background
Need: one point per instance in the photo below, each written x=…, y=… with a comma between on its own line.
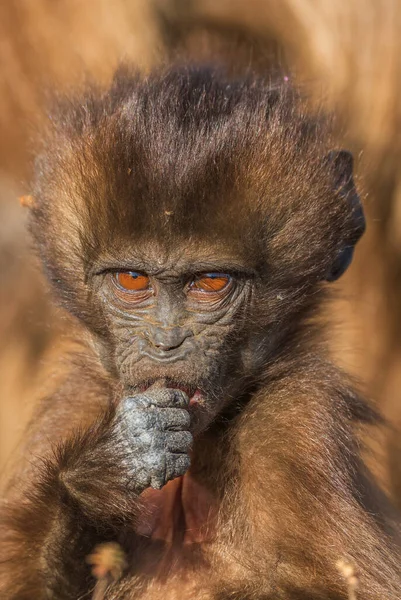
x=346, y=55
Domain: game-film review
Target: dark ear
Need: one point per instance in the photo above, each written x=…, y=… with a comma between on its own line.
x=342, y=164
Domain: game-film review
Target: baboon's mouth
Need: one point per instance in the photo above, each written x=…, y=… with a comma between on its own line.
x=194, y=394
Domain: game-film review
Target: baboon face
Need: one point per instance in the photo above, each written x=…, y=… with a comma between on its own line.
x=190, y=221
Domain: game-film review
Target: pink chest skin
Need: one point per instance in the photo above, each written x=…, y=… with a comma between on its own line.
x=182, y=511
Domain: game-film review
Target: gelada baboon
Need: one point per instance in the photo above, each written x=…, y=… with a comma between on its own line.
x=191, y=223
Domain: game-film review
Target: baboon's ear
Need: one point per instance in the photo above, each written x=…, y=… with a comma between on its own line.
x=342, y=164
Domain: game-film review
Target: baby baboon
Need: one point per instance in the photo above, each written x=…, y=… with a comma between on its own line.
x=190, y=223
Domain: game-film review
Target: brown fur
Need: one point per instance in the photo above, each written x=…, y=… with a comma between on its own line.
x=245, y=172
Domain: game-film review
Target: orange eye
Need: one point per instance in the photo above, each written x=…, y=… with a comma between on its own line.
x=211, y=282
x=131, y=281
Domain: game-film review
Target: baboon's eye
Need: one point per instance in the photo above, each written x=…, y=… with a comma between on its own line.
x=210, y=283
x=131, y=281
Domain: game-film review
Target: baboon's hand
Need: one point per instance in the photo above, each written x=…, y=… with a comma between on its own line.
x=155, y=428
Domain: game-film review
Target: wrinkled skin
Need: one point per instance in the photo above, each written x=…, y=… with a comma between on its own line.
x=175, y=337
x=155, y=428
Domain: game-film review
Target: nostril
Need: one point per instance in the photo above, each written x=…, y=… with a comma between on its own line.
x=165, y=346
